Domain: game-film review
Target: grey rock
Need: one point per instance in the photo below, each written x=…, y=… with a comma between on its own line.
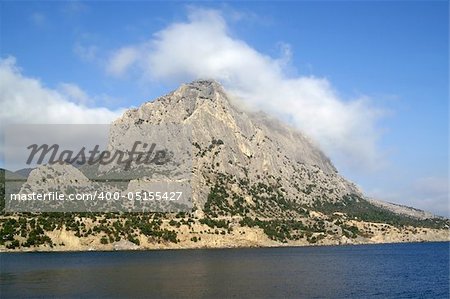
x=229, y=139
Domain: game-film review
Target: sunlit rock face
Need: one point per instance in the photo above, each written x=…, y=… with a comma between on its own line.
x=228, y=139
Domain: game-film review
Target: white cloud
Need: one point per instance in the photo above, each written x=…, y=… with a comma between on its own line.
x=26, y=100
x=122, y=60
x=202, y=47
x=74, y=93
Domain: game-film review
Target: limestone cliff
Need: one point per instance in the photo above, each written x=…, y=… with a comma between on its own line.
x=255, y=181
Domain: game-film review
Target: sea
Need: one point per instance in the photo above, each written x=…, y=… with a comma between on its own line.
x=409, y=270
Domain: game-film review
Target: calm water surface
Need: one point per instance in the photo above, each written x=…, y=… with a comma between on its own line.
x=366, y=271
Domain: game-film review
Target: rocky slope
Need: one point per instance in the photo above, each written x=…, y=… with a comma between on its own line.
x=255, y=182
x=250, y=147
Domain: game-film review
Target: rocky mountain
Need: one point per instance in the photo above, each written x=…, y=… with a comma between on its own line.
x=255, y=182
x=251, y=147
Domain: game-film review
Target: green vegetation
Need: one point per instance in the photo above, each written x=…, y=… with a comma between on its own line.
x=350, y=231
x=267, y=200
x=113, y=226
x=283, y=230
x=215, y=223
x=358, y=208
x=215, y=143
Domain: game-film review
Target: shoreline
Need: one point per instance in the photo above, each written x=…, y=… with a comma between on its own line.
x=215, y=248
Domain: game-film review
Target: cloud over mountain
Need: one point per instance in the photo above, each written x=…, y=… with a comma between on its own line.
x=203, y=47
x=27, y=100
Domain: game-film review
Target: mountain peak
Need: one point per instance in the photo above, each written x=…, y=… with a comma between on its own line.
x=254, y=145
x=206, y=89
x=205, y=82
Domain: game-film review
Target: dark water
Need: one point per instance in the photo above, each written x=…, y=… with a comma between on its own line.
x=379, y=271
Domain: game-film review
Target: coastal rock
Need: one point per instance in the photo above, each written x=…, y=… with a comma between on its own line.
x=124, y=245
x=255, y=182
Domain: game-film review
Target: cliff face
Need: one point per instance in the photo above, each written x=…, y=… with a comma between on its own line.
x=227, y=140
x=255, y=182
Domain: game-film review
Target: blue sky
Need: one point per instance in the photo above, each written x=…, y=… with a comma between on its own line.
x=389, y=57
